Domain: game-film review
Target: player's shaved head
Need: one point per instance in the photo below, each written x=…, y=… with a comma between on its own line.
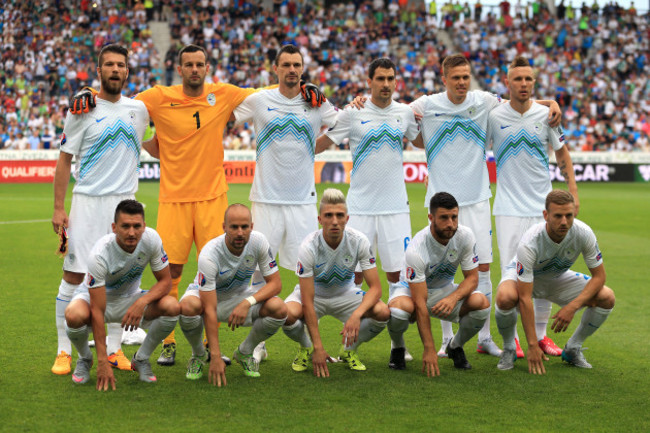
x=237, y=208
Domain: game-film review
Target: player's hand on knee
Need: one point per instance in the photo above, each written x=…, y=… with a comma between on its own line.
x=430, y=363
x=133, y=316
x=350, y=330
x=238, y=315
x=312, y=94
x=83, y=101
x=443, y=308
x=217, y=372
x=563, y=319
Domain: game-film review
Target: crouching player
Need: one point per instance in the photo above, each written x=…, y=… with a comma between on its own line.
x=432, y=258
x=221, y=294
x=540, y=270
x=326, y=262
x=111, y=294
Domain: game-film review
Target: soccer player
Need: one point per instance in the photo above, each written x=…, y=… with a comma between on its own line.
x=377, y=201
x=520, y=134
x=432, y=258
x=221, y=293
x=283, y=193
x=111, y=293
x=106, y=145
x=541, y=269
x=325, y=268
x=454, y=126
x=190, y=119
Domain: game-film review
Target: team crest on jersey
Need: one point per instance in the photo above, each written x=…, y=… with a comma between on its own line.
x=471, y=111
x=452, y=255
x=520, y=268
x=300, y=269
x=410, y=273
x=132, y=116
x=90, y=280
x=141, y=258
x=211, y=99
x=63, y=140
x=201, y=279
x=347, y=259
x=248, y=260
x=538, y=127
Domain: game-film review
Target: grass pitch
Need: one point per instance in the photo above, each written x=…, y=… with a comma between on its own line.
x=613, y=396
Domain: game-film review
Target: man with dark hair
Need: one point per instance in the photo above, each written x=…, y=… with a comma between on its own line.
x=111, y=293
x=432, y=258
x=106, y=145
x=377, y=199
x=541, y=269
x=454, y=127
x=520, y=135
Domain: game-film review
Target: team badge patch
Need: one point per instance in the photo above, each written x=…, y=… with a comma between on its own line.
x=520, y=268
x=300, y=269
x=410, y=273
x=63, y=139
x=372, y=260
x=475, y=259
x=164, y=258
x=90, y=280
x=211, y=99
x=272, y=264
x=201, y=279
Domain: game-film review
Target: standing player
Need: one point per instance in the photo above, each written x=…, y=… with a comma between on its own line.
x=106, y=144
x=432, y=259
x=520, y=134
x=283, y=193
x=326, y=264
x=541, y=269
x=112, y=293
x=221, y=294
x=377, y=199
x=454, y=126
x=190, y=120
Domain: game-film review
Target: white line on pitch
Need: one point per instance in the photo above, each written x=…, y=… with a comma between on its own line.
x=24, y=222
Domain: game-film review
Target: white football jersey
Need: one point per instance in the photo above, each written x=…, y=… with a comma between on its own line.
x=428, y=260
x=454, y=137
x=285, y=133
x=520, y=144
x=230, y=274
x=120, y=272
x=106, y=143
x=377, y=178
x=333, y=270
x=539, y=257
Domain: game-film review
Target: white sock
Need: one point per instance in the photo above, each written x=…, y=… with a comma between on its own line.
x=66, y=291
x=507, y=324
x=485, y=287
x=79, y=337
x=368, y=330
x=591, y=320
x=192, y=327
x=542, y=314
x=113, y=337
x=298, y=333
x=160, y=328
x=468, y=326
x=447, y=331
x=263, y=328
x=397, y=326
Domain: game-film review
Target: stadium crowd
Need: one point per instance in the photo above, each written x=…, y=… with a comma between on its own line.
x=594, y=61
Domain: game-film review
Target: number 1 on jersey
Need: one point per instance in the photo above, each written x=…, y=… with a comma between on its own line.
x=198, y=120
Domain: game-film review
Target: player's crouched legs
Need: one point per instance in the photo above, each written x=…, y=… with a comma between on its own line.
x=505, y=313
x=474, y=311
x=77, y=319
x=597, y=311
x=373, y=322
x=294, y=328
x=163, y=315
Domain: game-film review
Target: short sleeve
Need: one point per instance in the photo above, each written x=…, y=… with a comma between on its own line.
x=412, y=127
x=305, y=265
x=265, y=259
x=97, y=270
x=525, y=262
x=73, y=133
x=328, y=113
x=206, y=279
x=469, y=258
x=491, y=100
x=419, y=105
x=415, y=266
x=364, y=254
x=341, y=127
x=590, y=251
x=159, y=258
x=556, y=137
x=245, y=110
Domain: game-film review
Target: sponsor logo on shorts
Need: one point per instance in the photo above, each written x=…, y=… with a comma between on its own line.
x=520, y=268
x=410, y=273
x=300, y=269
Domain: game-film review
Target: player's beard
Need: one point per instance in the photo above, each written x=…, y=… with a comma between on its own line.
x=445, y=233
x=112, y=87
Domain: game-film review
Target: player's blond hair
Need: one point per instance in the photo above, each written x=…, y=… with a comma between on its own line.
x=332, y=196
x=559, y=197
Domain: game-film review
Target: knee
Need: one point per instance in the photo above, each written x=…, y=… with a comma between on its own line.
x=606, y=298
x=481, y=314
x=188, y=307
x=404, y=303
x=381, y=312
x=276, y=308
x=76, y=317
x=506, y=298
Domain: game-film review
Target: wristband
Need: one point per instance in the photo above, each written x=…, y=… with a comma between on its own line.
x=251, y=300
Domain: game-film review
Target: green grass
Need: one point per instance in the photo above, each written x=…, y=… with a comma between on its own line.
x=613, y=396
